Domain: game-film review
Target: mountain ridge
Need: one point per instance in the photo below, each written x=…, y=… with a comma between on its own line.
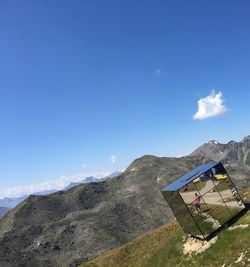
x=232, y=153
x=72, y=227
x=3, y=211
x=11, y=202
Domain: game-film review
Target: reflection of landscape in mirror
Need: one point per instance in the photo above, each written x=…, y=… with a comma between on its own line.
x=181, y=213
x=211, y=199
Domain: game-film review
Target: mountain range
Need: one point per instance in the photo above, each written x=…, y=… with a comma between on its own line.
x=3, y=211
x=71, y=227
x=233, y=153
x=92, y=179
x=87, y=180
x=11, y=202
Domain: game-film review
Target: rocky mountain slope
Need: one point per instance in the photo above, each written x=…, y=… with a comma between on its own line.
x=68, y=228
x=11, y=202
x=233, y=153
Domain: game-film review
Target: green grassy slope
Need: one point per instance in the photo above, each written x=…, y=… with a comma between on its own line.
x=163, y=247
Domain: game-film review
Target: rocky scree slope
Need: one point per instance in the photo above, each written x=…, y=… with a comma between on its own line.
x=68, y=228
x=234, y=155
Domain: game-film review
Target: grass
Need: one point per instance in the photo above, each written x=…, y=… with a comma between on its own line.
x=221, y=213
x=245, y=194
x=226, y=250
x=163, y=248
x=139, y=251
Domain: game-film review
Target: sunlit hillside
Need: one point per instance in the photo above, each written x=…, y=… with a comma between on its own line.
x=164, y=247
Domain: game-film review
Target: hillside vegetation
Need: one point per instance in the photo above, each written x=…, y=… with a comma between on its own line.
x=163, y=247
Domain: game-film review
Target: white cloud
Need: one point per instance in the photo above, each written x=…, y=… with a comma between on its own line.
x=113, y=158
x=210, y=106
x=157, y=72
x=57, y=184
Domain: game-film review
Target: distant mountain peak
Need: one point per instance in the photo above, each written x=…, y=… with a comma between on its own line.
x=90, y=179
x=233, y=153
x=213, y=142
x=247, y=138
x=3, y=211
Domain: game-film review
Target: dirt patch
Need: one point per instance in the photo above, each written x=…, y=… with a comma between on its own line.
x=194, y=245
x=240, y=258
x=240, y=226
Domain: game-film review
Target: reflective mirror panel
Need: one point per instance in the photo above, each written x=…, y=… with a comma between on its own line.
x=182, y=213
x=211, y=199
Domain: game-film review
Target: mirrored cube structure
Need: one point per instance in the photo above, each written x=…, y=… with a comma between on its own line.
x=204, y=199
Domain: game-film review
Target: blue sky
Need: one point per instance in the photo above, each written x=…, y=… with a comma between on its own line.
x=82, y=81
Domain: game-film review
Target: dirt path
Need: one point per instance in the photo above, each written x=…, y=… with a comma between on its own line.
x=210, y=197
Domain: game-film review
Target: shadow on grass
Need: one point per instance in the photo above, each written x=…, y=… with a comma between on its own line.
x=229, y=223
